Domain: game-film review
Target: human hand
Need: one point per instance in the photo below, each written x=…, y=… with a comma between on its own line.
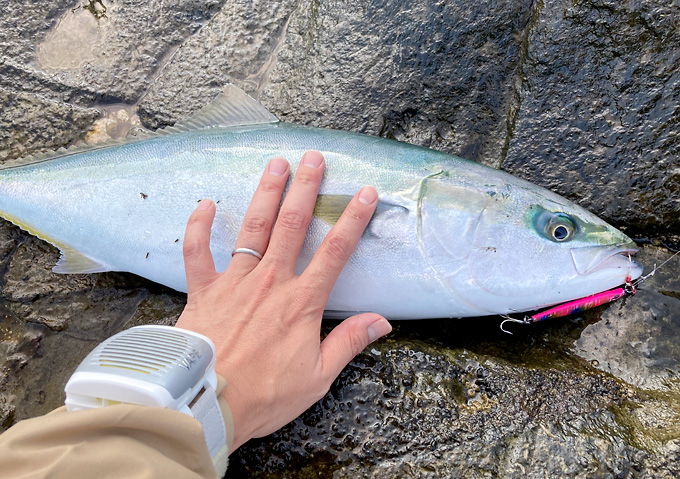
x=265, y=321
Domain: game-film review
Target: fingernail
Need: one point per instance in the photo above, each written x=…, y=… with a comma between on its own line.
x=368, y=195
x=277, y=167
x=204, y=205
x=312, y=158
x=378, y=329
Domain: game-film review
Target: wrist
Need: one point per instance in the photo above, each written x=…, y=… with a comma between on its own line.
x=227, y=415
x=240, y=426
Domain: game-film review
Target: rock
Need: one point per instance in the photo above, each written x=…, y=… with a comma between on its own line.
x=426, y=73
x=598, y=113
x=644, y=352
x=579, y=96
x=238, y=45
x=117, y=47
x=405, y=411
x=31, y=124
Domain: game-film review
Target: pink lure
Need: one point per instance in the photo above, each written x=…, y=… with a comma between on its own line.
x=575, y=306
x=579, y=305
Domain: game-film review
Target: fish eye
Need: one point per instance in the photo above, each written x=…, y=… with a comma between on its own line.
x=560, y=228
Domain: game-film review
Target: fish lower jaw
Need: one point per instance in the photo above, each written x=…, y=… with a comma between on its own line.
x=619, y=264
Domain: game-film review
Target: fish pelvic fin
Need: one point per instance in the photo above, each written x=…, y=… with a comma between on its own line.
x=71, y=260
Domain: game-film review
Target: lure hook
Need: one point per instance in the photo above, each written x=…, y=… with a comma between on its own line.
x=510, y=319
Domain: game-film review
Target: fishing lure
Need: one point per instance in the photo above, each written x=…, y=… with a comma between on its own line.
x=582, y=304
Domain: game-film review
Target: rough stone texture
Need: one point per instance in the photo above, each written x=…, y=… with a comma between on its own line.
x=600, y=108
x=119, y=49
x=420, y=411
x=645, y=352
x=427, y=73
x=579, y=96
x=38, y=124
x=236, y=46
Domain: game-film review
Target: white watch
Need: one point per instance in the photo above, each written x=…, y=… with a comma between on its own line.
x=157, y=366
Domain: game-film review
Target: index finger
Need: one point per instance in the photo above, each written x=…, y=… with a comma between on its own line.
x=291, y=225
x=340, y=242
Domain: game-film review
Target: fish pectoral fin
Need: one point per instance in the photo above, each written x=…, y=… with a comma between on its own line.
x=74, y=262
x=233, y=107
x=329, y=208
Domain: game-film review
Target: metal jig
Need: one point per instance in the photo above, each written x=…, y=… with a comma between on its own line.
x=575, y=306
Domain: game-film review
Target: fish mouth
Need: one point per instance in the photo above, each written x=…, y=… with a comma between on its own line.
x=589, y=260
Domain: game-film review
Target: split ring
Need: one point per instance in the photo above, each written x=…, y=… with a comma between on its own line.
x=247, y=251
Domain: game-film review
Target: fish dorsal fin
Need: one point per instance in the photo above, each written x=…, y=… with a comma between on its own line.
x=233, y=107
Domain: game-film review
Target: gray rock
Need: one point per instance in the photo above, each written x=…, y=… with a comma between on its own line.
x=30, y=123
x=116, y=47
x=599, y=97
x=644, y=352
x=238, y=45
x=421, y=411
x=427, y=73
x=579, y=96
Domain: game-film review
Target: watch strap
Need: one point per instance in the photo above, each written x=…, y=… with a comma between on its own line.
x=207, y=410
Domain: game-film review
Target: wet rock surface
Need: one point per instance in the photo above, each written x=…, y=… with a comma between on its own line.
x=644, y=352
x=579, y=96
x=600, y=96
x=448, y=398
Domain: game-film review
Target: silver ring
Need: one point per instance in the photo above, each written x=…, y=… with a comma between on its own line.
x=248, y=251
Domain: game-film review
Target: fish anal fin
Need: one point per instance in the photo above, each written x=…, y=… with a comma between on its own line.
x=74, y=262
x=71, y=260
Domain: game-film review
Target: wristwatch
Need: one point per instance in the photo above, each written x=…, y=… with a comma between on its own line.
x=158, y=366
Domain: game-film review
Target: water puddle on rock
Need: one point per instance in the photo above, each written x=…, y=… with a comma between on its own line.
x=79, y=37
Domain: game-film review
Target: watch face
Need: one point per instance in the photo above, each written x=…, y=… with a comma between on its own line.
x=164, y=356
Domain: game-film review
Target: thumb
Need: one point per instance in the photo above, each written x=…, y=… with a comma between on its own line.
x=348, y=339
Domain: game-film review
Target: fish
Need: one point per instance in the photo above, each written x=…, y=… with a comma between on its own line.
x=450, y=238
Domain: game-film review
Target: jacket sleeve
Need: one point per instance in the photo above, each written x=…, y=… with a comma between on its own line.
x=116, y=441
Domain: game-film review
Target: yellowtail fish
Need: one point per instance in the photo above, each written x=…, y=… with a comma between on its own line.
x=450, y=237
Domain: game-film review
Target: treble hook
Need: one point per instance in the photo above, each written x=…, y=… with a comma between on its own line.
x=510, y=319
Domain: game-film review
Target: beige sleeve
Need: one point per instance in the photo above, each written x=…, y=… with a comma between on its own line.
x=116, y=441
